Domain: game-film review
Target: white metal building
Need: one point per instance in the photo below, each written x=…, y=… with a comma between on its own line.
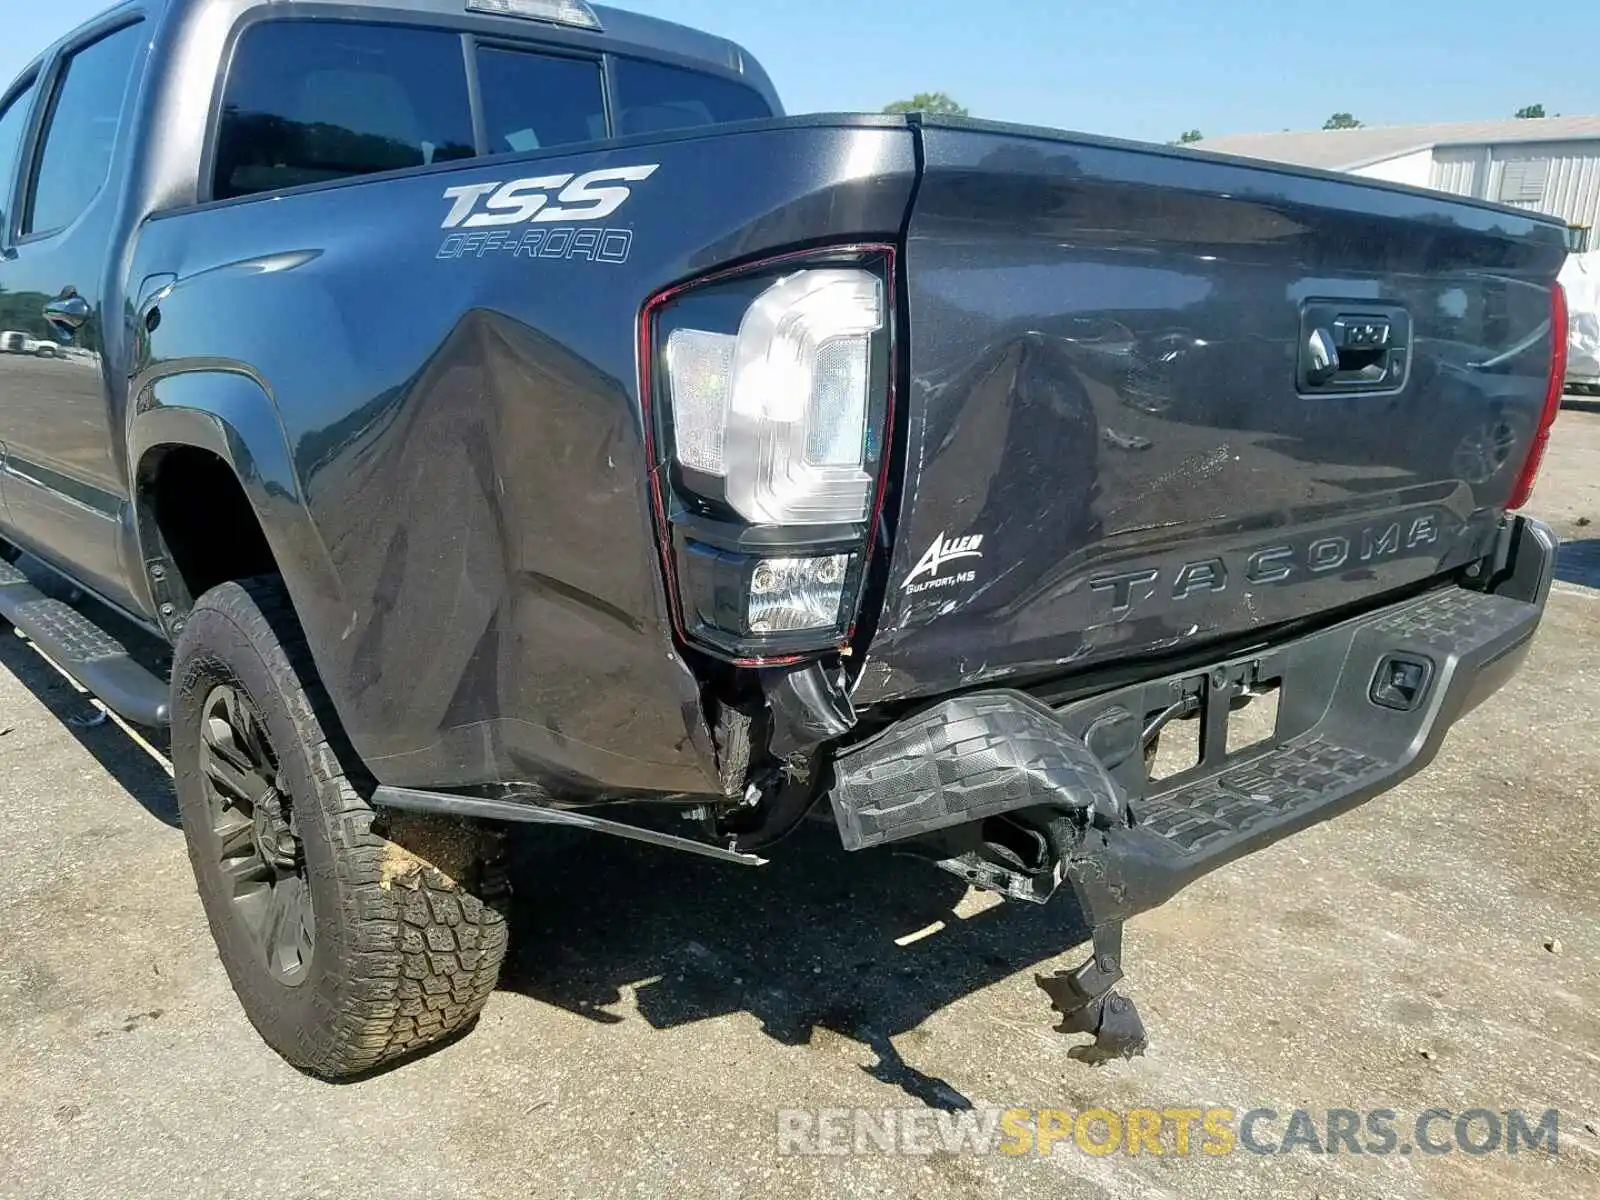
x=1550, y=164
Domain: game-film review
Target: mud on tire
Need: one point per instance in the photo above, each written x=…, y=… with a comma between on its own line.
x=385, y=944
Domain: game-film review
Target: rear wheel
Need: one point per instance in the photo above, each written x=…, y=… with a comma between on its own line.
x=348, y=949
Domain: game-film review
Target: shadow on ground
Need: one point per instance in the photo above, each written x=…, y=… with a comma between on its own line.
x=806, y=944
x=137, y=773
x=1579, y=562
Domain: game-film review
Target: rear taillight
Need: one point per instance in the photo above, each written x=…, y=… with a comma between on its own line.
x=1552, y=398
x=776, y=411
x=769, y=397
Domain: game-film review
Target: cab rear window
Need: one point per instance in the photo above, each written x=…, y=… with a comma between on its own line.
x=654, y=98
x=532, y=101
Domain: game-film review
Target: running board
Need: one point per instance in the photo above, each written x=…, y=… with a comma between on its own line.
x=451, y=805
x=85, y=651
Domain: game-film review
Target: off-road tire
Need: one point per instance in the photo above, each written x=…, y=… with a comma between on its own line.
x=408, y=937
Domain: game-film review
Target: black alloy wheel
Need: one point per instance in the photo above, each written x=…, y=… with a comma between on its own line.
x=258, y=843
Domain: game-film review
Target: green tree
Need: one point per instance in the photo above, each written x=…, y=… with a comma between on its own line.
x=1188, y=137
x=1530, y=112
x=1342, y=120
x=938, y=103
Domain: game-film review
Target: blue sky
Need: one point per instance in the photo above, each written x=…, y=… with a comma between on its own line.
x=1147, y=69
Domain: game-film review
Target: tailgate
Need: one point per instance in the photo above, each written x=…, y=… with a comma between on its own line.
x=1120, y=439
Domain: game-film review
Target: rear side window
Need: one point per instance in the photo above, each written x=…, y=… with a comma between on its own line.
x=531, y=101
x=12, y=124
x=81, y=130
x=309, y=101
x=653, y=98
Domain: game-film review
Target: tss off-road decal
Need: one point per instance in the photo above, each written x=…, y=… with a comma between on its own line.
x=491, y=211
x=577, y=198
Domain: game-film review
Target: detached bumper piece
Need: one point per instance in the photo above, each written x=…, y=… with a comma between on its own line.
x=1088, y=1002
x=1362, y=706
x=961, y=761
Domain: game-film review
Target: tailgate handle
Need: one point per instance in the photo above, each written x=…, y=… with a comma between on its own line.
x=1324, y=354
x=1344, y=349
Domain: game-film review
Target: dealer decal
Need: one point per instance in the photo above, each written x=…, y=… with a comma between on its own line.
x=943, y=551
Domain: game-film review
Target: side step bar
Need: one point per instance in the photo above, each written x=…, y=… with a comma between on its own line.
x=85, y=651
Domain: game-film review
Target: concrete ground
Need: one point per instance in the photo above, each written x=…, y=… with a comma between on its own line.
x=1439, y=947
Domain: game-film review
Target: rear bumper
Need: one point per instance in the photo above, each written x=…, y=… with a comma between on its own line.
x=1078, y=772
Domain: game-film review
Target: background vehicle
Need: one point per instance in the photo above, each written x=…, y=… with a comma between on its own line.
x=12, y=342
x=1580, y=278
x=507, y=415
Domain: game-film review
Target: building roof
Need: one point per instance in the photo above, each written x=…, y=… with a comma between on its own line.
x=1342, y=149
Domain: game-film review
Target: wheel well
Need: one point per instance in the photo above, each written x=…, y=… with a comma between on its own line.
x=202, y=522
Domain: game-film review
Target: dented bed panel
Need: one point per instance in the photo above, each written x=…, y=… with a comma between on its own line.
x=1111, y=448
x=468, y=450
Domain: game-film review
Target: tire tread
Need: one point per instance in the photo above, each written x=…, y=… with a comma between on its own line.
x=423, y=952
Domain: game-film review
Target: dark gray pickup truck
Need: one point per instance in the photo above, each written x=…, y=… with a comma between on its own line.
x=507, y=415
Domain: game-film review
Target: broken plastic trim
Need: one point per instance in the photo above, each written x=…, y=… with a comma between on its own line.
x=962, y=760
x=810, y=705
x=452, y=805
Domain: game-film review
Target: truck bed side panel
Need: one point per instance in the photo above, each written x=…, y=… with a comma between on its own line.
x=462, y=411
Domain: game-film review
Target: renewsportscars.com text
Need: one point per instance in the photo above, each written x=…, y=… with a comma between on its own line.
x=1174, y=1130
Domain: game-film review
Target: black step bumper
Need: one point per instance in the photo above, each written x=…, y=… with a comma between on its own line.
x=1362, y=705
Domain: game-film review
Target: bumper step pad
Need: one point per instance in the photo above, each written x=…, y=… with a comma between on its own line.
x=993, y=754
x=1210, y=814
x=1335, y=746
x=88, y=653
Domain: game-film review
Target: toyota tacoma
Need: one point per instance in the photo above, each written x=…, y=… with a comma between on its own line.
x=508, y=415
